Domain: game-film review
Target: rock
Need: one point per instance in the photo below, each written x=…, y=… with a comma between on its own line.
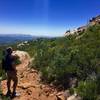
x=59, y=97
x=22, y=76
x=33, y=71
x=73, y=82
x=66, y=94
x=25, y=85
x=73, y=97
x=29, y=92
x=60, y=93
x=51, y=95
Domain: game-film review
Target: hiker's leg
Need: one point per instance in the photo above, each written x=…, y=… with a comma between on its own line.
x=8, y=81
x=15, y=84
x=8, y=84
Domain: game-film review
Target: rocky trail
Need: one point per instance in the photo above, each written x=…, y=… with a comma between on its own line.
x=29, y=85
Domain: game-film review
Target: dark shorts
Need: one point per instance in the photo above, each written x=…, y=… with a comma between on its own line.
x=12, y=75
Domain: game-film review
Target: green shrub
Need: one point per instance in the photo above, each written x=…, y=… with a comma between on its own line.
x=87, y=90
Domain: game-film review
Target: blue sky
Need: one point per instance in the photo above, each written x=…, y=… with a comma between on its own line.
x=45, y=17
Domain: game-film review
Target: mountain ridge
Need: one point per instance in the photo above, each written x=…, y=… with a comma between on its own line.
x=13, y=38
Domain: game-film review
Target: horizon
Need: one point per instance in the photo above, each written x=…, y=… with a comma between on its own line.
x=45, y=17
x=31, y=34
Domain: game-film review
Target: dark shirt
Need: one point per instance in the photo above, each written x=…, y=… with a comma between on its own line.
x=8, y=62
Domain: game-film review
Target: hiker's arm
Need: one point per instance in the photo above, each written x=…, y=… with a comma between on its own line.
x=14, y=63
x=14, y=66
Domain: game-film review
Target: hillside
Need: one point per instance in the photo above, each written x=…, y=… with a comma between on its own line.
x=91, y=22
x=61, y=61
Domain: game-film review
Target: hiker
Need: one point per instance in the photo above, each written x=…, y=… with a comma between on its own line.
x=8, y=64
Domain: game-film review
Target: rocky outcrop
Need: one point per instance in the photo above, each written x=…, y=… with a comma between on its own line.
x=73, y=97
x=92, y=21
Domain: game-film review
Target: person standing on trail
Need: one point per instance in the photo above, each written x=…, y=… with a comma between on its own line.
x=9, y=66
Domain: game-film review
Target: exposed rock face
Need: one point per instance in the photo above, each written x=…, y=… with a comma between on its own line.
x=66, y=94
x=73, y=82
x=82, y=28
x=92, y=21
x=73, y=97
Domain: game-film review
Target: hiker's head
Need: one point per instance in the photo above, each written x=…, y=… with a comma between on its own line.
x=9, y=50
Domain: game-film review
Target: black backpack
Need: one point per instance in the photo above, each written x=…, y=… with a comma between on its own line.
x=7, y=63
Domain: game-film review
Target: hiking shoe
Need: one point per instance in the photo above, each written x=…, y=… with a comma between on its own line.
x=8, y=93
x=14, y=94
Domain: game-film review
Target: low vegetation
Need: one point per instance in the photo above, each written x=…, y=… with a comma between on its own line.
x=75, y=56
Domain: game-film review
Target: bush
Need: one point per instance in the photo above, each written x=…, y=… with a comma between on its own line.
x=87, y=90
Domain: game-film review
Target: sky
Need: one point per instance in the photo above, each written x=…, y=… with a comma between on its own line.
x=45, y=17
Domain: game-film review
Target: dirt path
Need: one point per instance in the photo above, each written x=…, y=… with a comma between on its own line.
x=29, y=85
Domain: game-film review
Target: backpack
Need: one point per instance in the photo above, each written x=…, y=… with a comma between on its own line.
x=7, y=63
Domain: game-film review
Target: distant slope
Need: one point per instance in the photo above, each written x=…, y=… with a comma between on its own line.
x=9, y=38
